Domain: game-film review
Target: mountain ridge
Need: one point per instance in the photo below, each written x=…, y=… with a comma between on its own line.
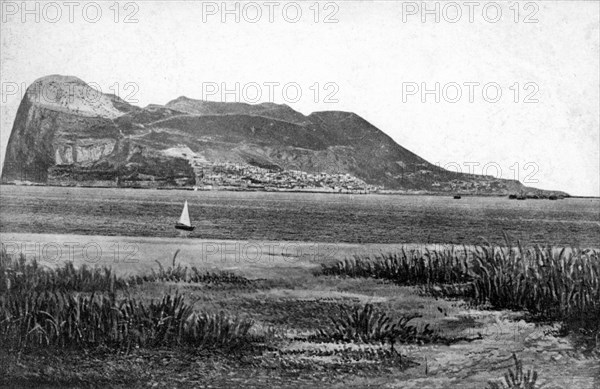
x=66, y=133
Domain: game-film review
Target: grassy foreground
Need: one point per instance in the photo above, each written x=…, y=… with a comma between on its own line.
x=551, y=284
x=359, y=322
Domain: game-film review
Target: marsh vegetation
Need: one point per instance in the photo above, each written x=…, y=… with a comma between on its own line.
x=196, y=315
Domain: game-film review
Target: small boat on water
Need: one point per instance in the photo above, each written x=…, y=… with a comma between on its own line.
x=457, y=197
x=184, y=221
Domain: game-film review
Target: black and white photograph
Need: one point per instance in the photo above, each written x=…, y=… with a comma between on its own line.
x=300, y=194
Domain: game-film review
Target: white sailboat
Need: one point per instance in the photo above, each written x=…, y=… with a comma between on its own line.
x=184, y=221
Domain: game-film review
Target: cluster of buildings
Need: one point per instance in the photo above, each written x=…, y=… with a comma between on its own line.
x=463, y=186
x=214, y=175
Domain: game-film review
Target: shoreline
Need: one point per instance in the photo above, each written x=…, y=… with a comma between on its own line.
x=311, y=190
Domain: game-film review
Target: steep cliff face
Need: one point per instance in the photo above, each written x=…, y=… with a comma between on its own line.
x=66, y=133
x=83, y=151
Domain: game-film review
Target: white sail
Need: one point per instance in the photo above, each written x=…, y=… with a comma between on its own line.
x=185, y=216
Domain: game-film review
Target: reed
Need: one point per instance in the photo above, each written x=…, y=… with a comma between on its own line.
x=178, y=273
x=563, y=284
x=192, y=274
x=70, y=307
x=552, y=283
x=19, y=274
x=67, y=320
x=368, y=325
x=407, y=268
x=517, y=379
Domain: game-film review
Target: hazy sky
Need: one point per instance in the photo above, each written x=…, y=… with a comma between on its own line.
x=365, y=59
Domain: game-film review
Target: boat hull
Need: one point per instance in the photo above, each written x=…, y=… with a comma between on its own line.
x=183, y=227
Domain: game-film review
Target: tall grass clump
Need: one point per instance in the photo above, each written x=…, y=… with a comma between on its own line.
x=552, y=283
x=19, y=274
x=368, y=325
x=192, y=274
x=66, y=320
x=68, y=307
x=178, y=273
x=408, y=268
x=517, y=379
x=557, y=284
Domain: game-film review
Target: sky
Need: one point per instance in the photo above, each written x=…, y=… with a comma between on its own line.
x=517, y=84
